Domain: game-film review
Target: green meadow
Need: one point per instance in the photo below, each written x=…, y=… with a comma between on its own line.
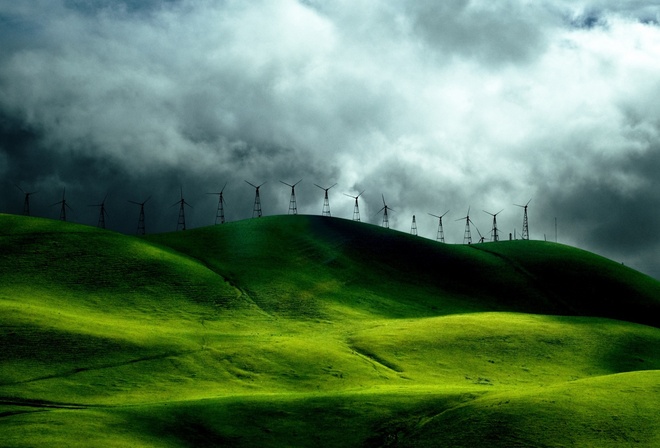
x=314, y=331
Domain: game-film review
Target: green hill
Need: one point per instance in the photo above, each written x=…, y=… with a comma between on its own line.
x=305, y=330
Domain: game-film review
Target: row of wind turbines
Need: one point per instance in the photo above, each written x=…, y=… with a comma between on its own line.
x=440, y=236
x=293, y=209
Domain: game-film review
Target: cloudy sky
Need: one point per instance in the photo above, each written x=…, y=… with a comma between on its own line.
x=435, y=105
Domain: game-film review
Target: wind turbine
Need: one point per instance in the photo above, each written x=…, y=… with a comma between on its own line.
x=356, y=209
x=481, y=237
x=26, y=202
x=494, y=235
x=525, y=229
x=441, y=233
x=293, y=207
x=182, y=213
x=467, y=235
x=326, y=202
x=413, y=227
x=220, y=214
x=257, y=201
x=64, y=206
x=102, y=212
x=386, y=219
x=141, y=230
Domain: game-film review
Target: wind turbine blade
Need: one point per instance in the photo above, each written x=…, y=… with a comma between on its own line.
x=333, y=185
x=223, y=187
x=320, y=186
x=297, y=183
x=19, y=187
x=251, y=184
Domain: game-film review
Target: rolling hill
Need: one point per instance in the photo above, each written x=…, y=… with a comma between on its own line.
x=307, y=330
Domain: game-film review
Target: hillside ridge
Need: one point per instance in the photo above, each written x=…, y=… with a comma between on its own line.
x=315, y=331
x=525, y=276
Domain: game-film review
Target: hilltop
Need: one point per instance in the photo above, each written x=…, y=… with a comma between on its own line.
x=284, y=258
x=300, y=330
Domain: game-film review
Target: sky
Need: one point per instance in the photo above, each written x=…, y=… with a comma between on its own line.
x=434, y=106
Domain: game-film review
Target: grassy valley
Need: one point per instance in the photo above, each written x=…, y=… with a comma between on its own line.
x=305, y=330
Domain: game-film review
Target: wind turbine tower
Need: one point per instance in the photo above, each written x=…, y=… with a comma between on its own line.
x=467, y=235
x=181, y=223
x=293, y=207
x=141, y=228
x=64, y=206
x=26, y=202
x=525, y=228
x=356, y=209
x=413, y=227
x=256, y=210
x=494, y=235
x=102, y=213
x=441, y=233
x=386, y=219
x=220, y=213
x=326, y=202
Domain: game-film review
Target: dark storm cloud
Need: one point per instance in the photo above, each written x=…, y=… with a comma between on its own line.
x=433, y=105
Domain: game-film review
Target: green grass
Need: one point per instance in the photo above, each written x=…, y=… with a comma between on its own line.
x=303, y=330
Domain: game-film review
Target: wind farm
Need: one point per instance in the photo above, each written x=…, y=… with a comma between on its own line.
x=293, y=209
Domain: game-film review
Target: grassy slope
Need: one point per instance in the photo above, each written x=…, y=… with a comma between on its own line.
x=280, y=329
